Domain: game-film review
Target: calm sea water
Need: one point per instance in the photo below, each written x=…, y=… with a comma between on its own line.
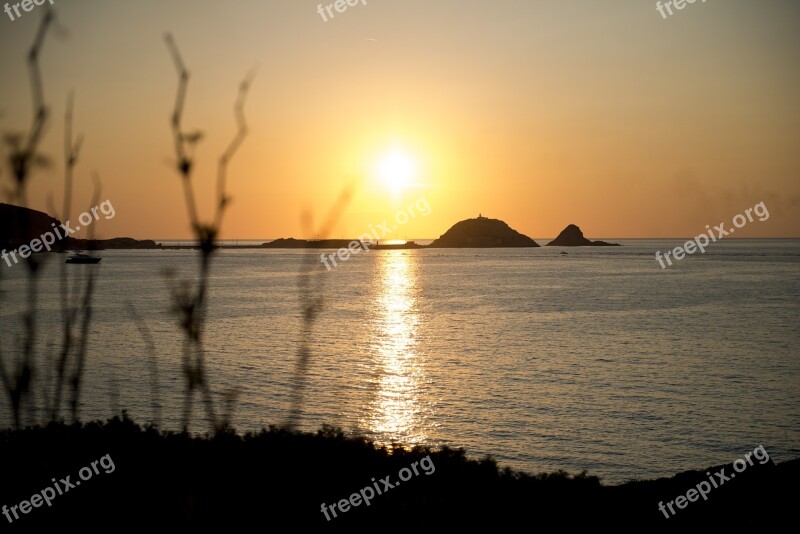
x=596, y=360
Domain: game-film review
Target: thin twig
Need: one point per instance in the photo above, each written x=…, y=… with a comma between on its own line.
x=155, y=394
x=222, y=169
x=86, y=309
x=68, y=312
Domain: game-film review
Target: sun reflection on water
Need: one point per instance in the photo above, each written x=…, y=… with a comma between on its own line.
x=396, y=414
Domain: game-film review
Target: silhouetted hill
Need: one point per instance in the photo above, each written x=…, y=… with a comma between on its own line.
x=482, y=232
x=572, y=236
x=19, y=226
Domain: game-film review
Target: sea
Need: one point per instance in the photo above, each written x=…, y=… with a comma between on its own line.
x=596, y=360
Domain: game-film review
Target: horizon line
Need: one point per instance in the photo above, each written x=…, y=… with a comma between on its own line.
x=266, y=240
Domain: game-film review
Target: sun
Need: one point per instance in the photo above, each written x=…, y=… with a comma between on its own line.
x=396, y=170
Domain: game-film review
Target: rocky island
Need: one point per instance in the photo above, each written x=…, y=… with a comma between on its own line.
x=482, y=232
x=572, y=236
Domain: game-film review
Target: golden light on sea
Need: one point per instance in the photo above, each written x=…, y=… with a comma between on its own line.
x=395, y=413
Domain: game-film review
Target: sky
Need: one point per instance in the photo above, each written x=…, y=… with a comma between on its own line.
x=541, y=113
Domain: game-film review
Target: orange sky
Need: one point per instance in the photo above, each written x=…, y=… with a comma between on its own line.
x=542, y=114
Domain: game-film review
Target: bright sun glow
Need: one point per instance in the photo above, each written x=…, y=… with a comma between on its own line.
x=396, y=170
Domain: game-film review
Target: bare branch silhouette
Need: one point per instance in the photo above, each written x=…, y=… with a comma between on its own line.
x=311, y=283
x=22, y=159
x=189, y=303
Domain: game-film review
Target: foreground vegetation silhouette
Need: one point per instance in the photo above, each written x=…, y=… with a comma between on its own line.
x=281, y=477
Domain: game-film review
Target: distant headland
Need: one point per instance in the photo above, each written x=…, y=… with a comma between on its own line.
x=333, y=244
x=18, y=226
